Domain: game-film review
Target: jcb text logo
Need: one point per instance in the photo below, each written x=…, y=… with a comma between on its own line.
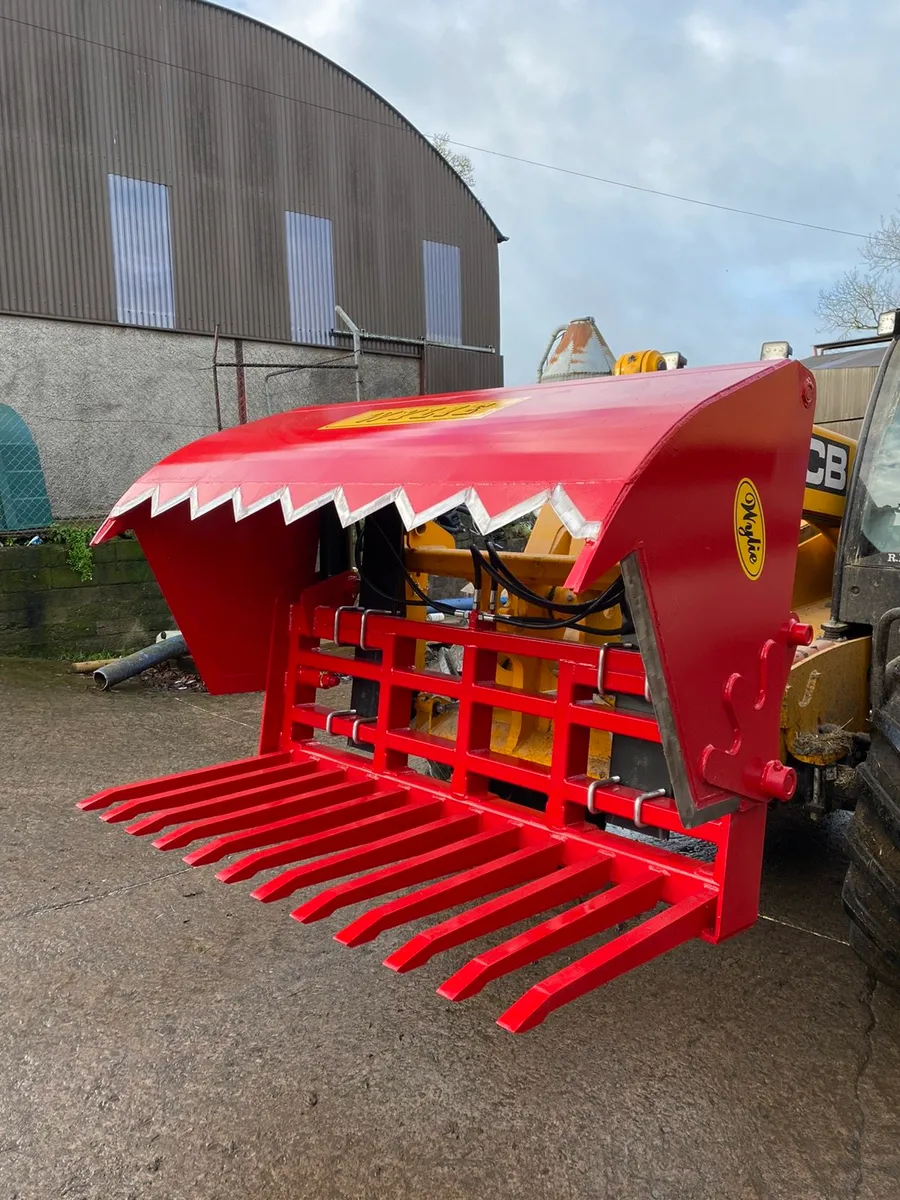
x=749, y=529
x=827, y=469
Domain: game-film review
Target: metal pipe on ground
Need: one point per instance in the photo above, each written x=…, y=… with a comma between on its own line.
x=124, y=668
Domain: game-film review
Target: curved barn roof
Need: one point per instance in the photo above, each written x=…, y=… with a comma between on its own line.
x=458, y=180
x=241, y=125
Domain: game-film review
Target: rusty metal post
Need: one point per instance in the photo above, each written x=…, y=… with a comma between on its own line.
x=215, y=365
x=356, y=334
x=241, y=381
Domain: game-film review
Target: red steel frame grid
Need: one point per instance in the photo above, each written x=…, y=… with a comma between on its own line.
x=572, y=709
x=738, y=838
x=324, y=814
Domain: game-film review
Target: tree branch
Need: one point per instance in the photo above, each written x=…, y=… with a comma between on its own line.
x=461, y=163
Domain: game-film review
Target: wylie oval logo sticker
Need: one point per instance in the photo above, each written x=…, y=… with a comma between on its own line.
x=749, y=529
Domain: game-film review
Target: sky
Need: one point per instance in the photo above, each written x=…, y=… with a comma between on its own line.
x=778, y=107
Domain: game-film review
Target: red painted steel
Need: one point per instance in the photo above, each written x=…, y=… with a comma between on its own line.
x=596, y=915
x=394, y=848
x=641, y=463
x=190, y=794
x=494, y=876
x=299, y=807
x=214, y=815
x=271, y=832
x=583, y=438
x=647, y=469
x=422, y=868
x=557, y=887
x=373, y=833
x=337, y=815
x=661, y=933
x=220, y=775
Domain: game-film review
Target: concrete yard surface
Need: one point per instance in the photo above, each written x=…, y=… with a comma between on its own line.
x=162, y=1035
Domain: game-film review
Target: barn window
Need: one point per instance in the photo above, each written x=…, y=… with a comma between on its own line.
x=23, y=493
x=310, y=269
x=443, y=298
x=142, y=252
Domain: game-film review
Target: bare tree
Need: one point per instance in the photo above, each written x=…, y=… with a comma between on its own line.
x=858, y=298
x=461, y=163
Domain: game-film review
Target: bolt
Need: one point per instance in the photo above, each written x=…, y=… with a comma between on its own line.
x=799, y=634
x=777, y=780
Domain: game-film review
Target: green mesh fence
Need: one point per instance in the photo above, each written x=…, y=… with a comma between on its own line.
x=23, y=493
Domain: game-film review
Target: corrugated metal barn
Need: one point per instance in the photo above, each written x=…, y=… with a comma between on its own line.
x=169, y=169
x=844, y=382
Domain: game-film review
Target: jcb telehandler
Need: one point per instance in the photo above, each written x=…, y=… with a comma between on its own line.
x=828, y=722
x=665, y=657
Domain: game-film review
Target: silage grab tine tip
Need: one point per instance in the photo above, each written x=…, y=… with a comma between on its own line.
x=166, y=783
x=293, y=804
x=272, y=832
x=458, y=856
x=620, y=903
x=374, y=854
x=564, y=886
x=259, y=797
x=343, y=837
x=475, y=884
x=217, y=789
x=654, y=937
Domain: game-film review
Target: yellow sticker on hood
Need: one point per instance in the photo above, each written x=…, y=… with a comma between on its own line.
x=749, y=529
x=376, y=417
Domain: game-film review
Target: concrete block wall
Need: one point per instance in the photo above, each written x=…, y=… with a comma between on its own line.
x=105, y=402
x=47, y=611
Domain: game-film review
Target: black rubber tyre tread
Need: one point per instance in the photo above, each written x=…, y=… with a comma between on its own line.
x=866, y=907
x=875, y=853
x=884, y=965
x=871, y=892
x=874, y=783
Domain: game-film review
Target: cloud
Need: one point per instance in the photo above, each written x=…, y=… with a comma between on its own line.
x=772, y=105
x=316, y=24
x=704, y=33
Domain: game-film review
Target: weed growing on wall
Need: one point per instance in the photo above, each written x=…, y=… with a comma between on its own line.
x=76, y=537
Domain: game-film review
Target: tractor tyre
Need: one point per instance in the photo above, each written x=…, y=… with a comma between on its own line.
x=872, y=887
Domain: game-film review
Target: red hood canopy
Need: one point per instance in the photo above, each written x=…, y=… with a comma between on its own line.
x=502, y=453
x=645, y=463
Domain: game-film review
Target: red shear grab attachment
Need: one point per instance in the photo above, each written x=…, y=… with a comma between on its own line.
x=689, y=483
